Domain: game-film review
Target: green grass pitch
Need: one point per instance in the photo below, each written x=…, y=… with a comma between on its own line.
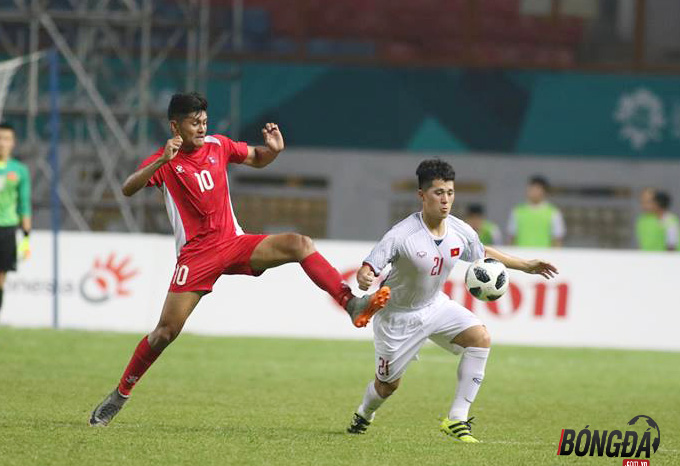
x=284, y=401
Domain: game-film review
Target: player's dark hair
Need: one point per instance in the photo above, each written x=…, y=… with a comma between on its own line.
x=5, y=125
x=540, y=180
x=475, y=209
x=662, y=199
x=434, y=169
x=182, y=105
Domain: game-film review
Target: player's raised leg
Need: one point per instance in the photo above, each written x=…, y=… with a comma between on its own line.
x=476, y=344
x=176, y=310
x=284, y=248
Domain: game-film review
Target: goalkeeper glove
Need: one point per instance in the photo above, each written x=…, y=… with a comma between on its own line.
x=24, y=248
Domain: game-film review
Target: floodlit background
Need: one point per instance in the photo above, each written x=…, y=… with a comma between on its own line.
x=582, y=92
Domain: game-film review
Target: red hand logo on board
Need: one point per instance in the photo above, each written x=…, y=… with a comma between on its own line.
x=106, y=280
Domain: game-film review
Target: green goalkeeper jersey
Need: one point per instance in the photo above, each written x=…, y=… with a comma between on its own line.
x=15, y=192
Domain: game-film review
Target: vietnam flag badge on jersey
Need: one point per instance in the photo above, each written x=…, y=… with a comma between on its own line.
x=455, y=252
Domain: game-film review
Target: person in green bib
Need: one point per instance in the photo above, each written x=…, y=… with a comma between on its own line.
x=657, y=228
x=649, y=230
x=489, y=233
x=670, y=221
x=15, y=205
x=536, y=223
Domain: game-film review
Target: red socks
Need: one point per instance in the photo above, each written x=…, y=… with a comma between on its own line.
x=141, y=360
x=326, y=277
x=323, y=274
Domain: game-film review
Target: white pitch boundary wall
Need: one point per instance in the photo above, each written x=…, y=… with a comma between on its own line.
x=613, y=299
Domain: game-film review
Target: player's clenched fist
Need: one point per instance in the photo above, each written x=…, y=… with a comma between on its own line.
x=365, y=277
x=172, y=147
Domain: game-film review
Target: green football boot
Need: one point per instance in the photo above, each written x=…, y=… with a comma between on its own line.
x=459, y=430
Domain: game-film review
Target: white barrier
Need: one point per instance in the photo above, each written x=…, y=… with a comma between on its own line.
x=617, y=299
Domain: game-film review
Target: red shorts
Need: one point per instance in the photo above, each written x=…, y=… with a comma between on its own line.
x=200, y=265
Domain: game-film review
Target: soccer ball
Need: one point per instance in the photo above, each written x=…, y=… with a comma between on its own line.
x=487, y=279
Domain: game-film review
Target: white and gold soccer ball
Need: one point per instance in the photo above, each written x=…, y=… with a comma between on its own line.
x=487, y=279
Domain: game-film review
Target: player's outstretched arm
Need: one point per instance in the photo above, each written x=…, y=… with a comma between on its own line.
x=261, y=156
x=141, y=177
x=533, y=266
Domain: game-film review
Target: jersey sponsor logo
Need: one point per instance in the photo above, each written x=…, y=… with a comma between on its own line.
x=421, y=254
x=455, y=252
x=212, y=160
x=107, y=280
x=179, y=168
x=12, y=176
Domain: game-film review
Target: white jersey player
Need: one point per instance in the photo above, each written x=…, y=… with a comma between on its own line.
x=422, y=249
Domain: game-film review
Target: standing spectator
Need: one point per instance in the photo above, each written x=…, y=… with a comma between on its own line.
x=670, y=221
x=536, y=223
x=649, y=230
x=489, y=233
x=657, y=228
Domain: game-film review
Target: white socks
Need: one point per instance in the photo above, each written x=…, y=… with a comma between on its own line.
x=371, y=402
x=470, y=376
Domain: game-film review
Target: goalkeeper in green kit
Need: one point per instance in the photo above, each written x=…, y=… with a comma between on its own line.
x=15, y=205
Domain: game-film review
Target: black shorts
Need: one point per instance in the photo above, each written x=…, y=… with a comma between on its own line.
x=8, y=248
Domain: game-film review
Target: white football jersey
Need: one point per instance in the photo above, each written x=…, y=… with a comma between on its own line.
x=422, y=262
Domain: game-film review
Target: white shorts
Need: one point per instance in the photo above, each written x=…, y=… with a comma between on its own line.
x=398, y=336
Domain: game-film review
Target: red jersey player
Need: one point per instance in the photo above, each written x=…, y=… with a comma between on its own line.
x=192, y=171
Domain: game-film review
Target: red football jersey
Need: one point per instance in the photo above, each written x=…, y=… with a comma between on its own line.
x=196, y=189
